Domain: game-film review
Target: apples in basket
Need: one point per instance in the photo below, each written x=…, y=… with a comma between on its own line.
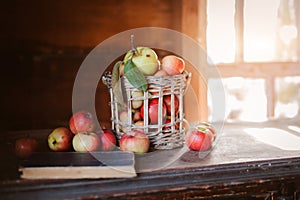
x=147, y=93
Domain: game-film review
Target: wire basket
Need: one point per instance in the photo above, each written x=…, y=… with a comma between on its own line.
x=167, y=130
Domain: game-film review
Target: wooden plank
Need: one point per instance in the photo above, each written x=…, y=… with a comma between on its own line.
x=232, y=180
x=239, y=30
x=194, y=25
x=81, y=23
x=259, y=70
x=271, y=96
x=297, y=10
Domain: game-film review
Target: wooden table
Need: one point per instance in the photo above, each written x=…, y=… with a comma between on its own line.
x=240, y=166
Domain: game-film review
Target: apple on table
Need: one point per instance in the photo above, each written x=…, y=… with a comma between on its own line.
x=135, y=141
x=60, y=139
x=82, y=121
x=86, y=142
x=107, y=139
x=199, y=139
x=24, y=147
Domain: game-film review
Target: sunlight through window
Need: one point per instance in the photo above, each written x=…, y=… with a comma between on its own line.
x=270, y=31
x=270, y=36
x=260, y=30
x=220, y=31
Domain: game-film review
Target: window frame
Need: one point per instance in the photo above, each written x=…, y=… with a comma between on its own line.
x=269, y=71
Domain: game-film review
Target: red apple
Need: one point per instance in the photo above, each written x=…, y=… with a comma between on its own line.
x=213, y=132
x=199, y=140
x=82, y=121
x=210, y=127
x=139, y=123
x=135, y=141
x=173, y=65
x=161, y=72
x=153, y=111
x=168, y=120
x=24, y=147
x=108, y=140
x=167, y=102
x=60, y=139
x=164, y=92
x=86, y=142
x=137, y=116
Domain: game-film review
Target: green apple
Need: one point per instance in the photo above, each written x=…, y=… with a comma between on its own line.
x=145, y=59
x=137, y=94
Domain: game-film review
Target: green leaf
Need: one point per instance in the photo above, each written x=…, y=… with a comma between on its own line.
x=116, y=82
x=135, y=76
x=115, y=74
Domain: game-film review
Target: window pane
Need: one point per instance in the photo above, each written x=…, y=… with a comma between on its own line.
x=245, y=99
x=288, y=97
x=260, y=29
x=220, y=31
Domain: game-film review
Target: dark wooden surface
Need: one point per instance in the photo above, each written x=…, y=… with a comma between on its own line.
x=241, y=180
x=232, y=170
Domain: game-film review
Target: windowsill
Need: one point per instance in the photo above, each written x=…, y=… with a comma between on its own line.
x=238, y=142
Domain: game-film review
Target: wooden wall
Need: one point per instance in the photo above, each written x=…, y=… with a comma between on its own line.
x=43, y=44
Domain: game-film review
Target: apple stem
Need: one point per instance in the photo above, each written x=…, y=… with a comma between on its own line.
x=132, y=43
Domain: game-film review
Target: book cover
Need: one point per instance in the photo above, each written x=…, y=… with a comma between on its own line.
x=75, y=165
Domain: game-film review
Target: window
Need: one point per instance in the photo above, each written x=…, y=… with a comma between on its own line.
x=255, y=44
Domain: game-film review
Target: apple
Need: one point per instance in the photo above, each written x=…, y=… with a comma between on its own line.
x=136, y=116
x=139, y=123
x=167, y=102
x=210, y=127
x=199, y=139
x=60, y=139
x=153, y=111
x=168, y=127
x=86, y=142
x=161, y=72
x=107, y=139
x=123, y=116
x=164, y=92
x=213, y=132
x=137, y=103
x=82, y=121
x=135, y=141
x=145, y=59
x=24, y=147
x=172, y=64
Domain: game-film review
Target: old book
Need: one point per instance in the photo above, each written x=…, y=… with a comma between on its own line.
x=75, y=165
